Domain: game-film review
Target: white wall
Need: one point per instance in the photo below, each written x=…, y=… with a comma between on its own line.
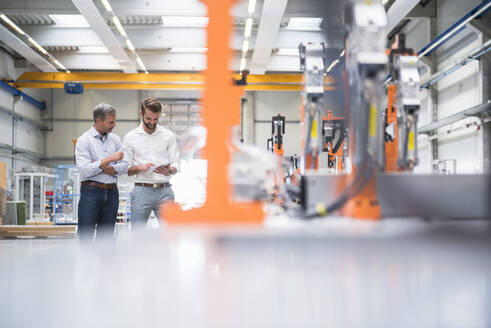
x=418, y=33
x=70, y=106
x=450, y=11
x=271, y=103
x=425, y=117
x=26, y=136
x=79, y=107
x=456, y=92
x=260, y=106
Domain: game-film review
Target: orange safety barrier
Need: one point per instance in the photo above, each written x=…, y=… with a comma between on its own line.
x=221, y=103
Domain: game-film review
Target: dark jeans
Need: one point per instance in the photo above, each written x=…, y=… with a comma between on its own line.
x=97, y=207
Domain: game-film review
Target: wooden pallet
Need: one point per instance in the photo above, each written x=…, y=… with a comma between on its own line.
x=39, y=223
x=12, y=231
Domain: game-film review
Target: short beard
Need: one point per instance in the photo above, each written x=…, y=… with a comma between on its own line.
x=148, y=126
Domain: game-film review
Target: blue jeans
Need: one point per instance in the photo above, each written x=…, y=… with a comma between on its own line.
x=145, y=200
x=99, y=207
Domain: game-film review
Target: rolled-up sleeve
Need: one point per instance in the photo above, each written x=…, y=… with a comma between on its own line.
x=128, y=152
x=122, y=166
x=86, y=167
x=173, y=151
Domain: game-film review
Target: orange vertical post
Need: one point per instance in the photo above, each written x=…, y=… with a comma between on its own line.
x=221, y=103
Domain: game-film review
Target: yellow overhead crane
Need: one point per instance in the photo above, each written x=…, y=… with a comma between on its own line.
x=141, y=81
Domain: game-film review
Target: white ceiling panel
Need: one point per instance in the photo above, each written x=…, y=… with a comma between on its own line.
x=269, y=26
x=98, y=23
x=24, y=50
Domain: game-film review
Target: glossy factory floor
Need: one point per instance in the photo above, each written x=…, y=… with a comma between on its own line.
x=395, y=273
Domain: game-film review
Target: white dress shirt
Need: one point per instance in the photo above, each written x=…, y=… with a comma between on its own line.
x=159, y=148
x=90, y=149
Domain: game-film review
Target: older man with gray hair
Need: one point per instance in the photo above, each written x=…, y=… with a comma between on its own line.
x=99, y=161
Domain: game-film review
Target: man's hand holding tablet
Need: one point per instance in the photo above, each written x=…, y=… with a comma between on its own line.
x=165, y=169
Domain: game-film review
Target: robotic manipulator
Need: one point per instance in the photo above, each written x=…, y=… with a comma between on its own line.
x=402, y=108
x=313, y=62
x=275, y=143
x=366, y=68
x=334, y=133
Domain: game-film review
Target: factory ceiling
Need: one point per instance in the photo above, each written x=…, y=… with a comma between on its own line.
x=165, y=36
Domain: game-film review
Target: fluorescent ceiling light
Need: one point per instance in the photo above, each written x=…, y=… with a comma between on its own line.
x=35, y=44
x=12, y=24
x=304, y=23
x=251, y=7
x=130, y=45
x=106, y=5
x=60, y=65
x=248, y=27
x=93, y=50
x=245, y=46
x=288, y=52
x=188, y=50
x=69, y=21
x=185, y=21
x=384, y=2
x=140, y=63
x=119, y=26
x=342, y=54
x=242, y=64
x=332, y=65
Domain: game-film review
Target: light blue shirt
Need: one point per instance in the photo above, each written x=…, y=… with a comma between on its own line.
x=91, y=148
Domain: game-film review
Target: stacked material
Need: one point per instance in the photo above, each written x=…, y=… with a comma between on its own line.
x=3, y=190
x=37, y=231
x=3, y=209
x=3, y=175
x=10, y=213
x=15, y=213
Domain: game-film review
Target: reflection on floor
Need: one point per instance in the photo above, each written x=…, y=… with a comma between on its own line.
x=337, y=272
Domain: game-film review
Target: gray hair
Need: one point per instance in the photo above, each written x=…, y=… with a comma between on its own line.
x=102, y=110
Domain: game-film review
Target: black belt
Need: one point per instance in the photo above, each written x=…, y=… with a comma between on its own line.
x=153, y=185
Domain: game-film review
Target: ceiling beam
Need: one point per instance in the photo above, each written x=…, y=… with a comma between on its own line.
x=398, y=11
x=152, y=36
x=122, y=7
x=168, y=61
x=269, y=26
x=60, y=7
x=140, y=81
x=48, y=36
x=24, y=50
x=97, y=22
x=167, y=8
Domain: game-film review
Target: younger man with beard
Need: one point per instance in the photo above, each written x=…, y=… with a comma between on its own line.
x=153, y=156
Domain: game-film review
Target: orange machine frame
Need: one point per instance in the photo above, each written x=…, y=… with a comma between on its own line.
x=221, y=103
x=391, y=147
x=339, y=153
